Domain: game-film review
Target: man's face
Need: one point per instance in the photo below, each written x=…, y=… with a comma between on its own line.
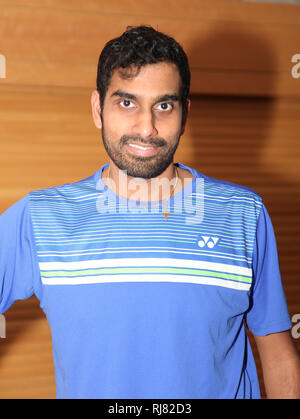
x=142, y=119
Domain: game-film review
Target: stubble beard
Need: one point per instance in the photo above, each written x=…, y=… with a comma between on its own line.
x=140, y=166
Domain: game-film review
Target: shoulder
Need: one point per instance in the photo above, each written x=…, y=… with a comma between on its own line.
x=64, y=191
x=17, y=208
x=225, y=188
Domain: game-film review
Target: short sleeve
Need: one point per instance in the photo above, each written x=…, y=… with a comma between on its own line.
x=268, y=312
x=19, y=269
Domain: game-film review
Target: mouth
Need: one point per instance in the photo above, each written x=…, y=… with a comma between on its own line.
x=142, y=150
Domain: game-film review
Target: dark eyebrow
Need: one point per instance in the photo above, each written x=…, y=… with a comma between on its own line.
x=120, y=93
x=167, y=98
x=164, y=98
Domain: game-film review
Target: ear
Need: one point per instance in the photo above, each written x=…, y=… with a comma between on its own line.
x=188, y=106
x=95, y=102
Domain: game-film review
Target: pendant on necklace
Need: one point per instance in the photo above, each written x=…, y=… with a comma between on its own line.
x=165, y=214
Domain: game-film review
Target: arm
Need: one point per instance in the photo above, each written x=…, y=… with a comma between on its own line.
x=280, y=364
x=19, y=270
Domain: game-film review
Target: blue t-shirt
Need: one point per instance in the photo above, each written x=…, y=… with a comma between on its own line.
x=142, y=302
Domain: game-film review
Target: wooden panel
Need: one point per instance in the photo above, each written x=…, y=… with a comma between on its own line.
x=234, y=47
x=48, y=138
x=26, y=360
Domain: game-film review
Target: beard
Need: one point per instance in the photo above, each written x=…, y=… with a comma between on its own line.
x=145, y=167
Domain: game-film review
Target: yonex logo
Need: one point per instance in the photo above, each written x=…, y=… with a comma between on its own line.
x=207, y=241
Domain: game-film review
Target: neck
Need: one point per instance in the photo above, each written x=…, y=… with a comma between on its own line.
x=159, y=188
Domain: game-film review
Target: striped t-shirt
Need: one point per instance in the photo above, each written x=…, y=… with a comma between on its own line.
x=147, y=302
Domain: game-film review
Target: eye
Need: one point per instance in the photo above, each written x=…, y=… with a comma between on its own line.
x=165, y=106
x=126, y=103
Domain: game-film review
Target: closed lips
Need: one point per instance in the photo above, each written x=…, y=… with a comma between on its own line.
x=142, y=150
x=140, y=146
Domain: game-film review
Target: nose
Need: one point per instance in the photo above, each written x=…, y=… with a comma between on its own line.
x=145, y=124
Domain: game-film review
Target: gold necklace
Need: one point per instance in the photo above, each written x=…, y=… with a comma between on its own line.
x=160, y=203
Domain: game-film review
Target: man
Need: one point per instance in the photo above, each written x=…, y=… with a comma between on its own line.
x=148, y=270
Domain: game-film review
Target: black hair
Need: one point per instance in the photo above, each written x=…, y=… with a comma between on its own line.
x=139, y=46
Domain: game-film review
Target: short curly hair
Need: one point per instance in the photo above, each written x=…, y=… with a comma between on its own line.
x=139, y=46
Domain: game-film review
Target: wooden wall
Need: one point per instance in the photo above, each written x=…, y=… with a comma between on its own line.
x=244, y=124
x=57, y=42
